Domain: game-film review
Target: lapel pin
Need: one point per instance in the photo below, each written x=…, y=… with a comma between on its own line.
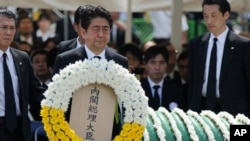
x=232, y=48
x=20, y=63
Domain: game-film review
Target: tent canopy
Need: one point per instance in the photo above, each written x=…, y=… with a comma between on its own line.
x=120, y=5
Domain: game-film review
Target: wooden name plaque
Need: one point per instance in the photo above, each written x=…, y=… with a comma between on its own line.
x=92, y=112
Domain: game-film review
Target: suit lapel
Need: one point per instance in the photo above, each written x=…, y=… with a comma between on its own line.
x=109, y=54
x=82, y=53
x=203, y=54
x=74, y=44
x=227, y=55
x=18, y=62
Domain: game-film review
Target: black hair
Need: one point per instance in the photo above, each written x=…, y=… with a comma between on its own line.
x=37, y=52
x=133, y=49
x=7, y=13
x=153, y=51
x=44, y=16
x=90, y=12
x=20, y=18
x=183, y=56
x=224, y=5
x=77, y=16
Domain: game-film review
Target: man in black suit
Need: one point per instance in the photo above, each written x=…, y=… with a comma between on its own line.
x=231, y=68
x=18, y=85
x=75, y=42
x=96, y=23
x=168, y=93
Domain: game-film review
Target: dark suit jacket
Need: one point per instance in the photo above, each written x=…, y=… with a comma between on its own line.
x=62, y=60
x=30, y=91
x=77, y=54
x=171, y=92
x=66, y=45
x=60, y=30
x=234, y=84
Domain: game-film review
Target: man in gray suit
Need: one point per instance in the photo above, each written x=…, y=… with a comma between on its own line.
x=19, y=87
x=96, y=23
x=228, y=53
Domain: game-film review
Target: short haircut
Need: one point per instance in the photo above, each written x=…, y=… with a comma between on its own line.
x=224, y=5
x=23, y=18
x=90, y=12
x=37, y=52
x=153, y=51
x=133, y=49
x=77, y=16
x=183, y=56
x=7, y=13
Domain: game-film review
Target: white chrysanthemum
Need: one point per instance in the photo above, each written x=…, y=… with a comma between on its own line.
x=157, y=125
x=218, y=122
x=206, y=128
x=228, y=117
x=243, y=119
x=188, y=123
x=172, y=122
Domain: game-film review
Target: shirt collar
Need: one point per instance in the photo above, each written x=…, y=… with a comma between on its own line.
x=151, y=83
x=90, y=54
x=7, y=52
x=220, y=38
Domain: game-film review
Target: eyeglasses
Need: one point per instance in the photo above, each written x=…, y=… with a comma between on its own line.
x=5, y=28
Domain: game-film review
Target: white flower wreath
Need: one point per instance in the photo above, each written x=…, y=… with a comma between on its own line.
x=82, y=73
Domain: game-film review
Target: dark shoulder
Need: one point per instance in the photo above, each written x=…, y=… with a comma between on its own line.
x=71, y=53
x=20, y=52
x=67, y=42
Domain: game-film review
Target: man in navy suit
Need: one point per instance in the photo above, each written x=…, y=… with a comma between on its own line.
x=168, y=93
x=96, y=23
x=232, y=73
x=22, y=87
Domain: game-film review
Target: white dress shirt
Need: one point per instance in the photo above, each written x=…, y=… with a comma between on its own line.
x=152, y=84
x=90, y=54
x=220, y=48
x=14, y=78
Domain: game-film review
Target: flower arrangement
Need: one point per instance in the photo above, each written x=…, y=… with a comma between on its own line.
x=82, y=73
x=243, y=119
x=188, y=124
x=228, y=117
x=157, y=125
x=174, y=127
x=217, y=122
x=205, y=127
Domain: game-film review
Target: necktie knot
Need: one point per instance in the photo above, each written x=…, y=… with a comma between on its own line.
x=215, y=40
x=4, y=55
x=156, y=87
x=97, y=57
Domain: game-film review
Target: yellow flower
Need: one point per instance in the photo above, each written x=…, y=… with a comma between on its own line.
x=126, y=126
x=53, y=112
x=118, y=138
x=53, y=121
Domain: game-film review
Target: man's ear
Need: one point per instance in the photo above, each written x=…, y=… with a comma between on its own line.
x=75, y=27
x=226, y=15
